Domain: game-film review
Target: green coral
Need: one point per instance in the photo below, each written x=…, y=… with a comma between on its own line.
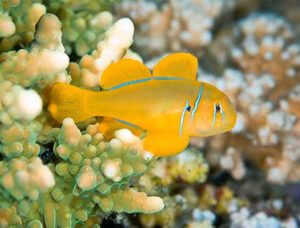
x=44, y=63
x=166, y=176
x=9, y=215
x=188, y=166
x=87, y=175
x=24, y=15
x=84, y=23
x=96, y=165
x=20, y=140
x=92, y=177
x=23, y=182
x=6, y=97
x=25, y=178
x=83, y=30
x=7, y=27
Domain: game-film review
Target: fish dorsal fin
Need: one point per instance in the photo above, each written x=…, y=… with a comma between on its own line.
x=181, y=65
x=123, y=71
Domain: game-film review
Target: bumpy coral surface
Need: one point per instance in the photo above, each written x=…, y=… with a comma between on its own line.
x=170, y=26
x=90, y=176
x=83, y=174
x=114, y=47
x=264, y=91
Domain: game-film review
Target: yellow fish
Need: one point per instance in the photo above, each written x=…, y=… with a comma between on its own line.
x=169, y=104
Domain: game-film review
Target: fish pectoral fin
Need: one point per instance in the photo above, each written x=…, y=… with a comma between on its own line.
x=165, y=143
x=123, y=71
x=181, y=65
x=108, y=126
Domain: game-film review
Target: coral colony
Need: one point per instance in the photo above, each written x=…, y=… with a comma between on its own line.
x=72, y=175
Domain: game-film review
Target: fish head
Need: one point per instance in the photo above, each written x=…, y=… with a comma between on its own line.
x=215, y=113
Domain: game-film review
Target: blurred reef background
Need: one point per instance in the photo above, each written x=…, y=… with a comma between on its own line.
x=69, y=175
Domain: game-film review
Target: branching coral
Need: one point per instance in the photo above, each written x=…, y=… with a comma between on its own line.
x=171, y=28
x=117, y=40
x=23, y=178
x=193, y=207
x=98, y=172
x=84, y=29
x=20, y=18
x=20, y=140
x=18, y=104
x=44, y=63
x=7, y=26
x=263, y=88
x=83, y=23
x=185, y=206
x=92, y=176
x=189, y=166
x=242, y=218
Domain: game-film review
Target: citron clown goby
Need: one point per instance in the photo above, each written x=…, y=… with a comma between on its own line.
x=170, y=105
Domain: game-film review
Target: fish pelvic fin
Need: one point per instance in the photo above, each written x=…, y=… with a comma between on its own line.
x=183, y=65
x=69, y=101
x=164, y=143
x=108, y=126
x=123, y=71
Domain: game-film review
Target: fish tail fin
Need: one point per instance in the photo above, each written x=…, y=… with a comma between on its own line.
x=69, y=101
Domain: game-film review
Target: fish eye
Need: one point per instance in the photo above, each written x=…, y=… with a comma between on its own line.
x=218, y=109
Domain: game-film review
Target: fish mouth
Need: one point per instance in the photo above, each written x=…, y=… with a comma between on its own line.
x=214, y=132
x=226, y=127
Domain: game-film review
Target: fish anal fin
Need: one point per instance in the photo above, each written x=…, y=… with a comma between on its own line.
x=165, y=144
x=108, y=126
x=182, y=65
x=123, y=71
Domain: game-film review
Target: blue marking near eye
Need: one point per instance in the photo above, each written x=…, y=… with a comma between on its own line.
x=223, y=116
x=214, y=116
x=222, y=112
x=197, y=101
x=182, y=116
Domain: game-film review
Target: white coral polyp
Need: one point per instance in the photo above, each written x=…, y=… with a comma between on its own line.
x=102, y=20
x=27, y=104
x=7, y=27
x=51, y=62
x=40, y=175
x=121, y=33
x=71, y=132
x=111, y=169
x=125, y=136
x=155, y=203
x=87, y=179
x=118, y=38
